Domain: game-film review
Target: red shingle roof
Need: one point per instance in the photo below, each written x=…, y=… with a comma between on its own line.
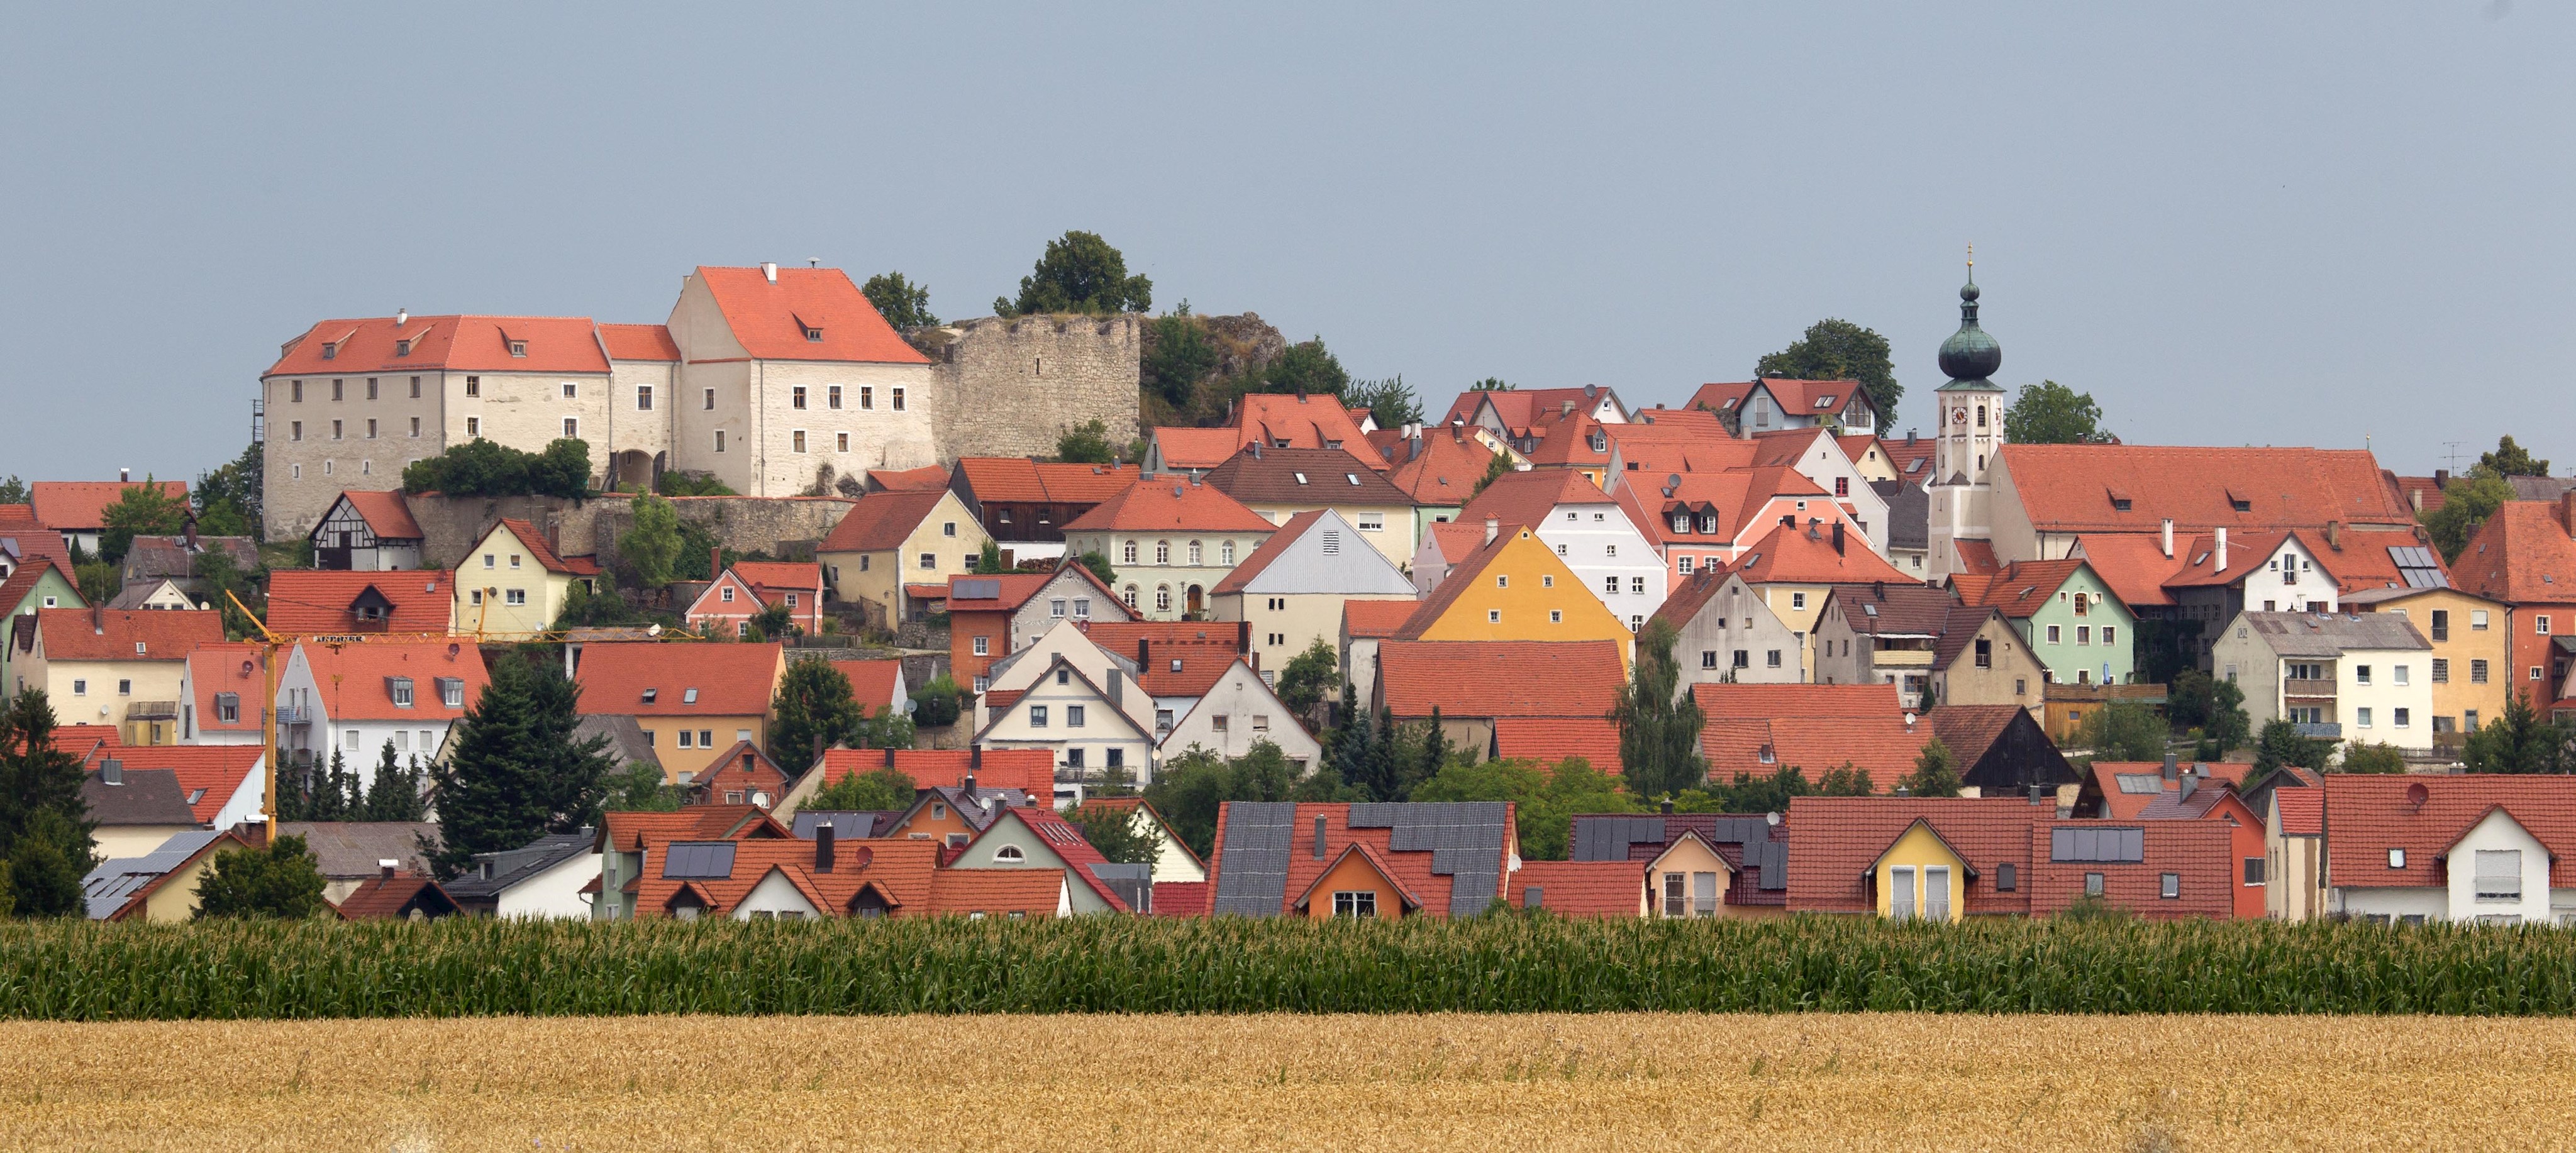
x=1560, y=678
x=772, y=320
x=1758, y=702
x=309, y=601
x=1182, y=898
x=1015, y=589
x=927, y=478
x=2303, y=812
x=2517, y=554
x=1879, y=745
x=387, y=514
x=1199, y=448
x=1019, y=480
x=1833, y=841
x=728, y=679
x=544, y=553
x=1031, y=771
x=1794, y=556
x=1740, y=497
x=382, y=898
x=2020, y=589
x=872, y=683
x=1581, y=888
x=227, y=668
x=452, y=343
x=1065, y=840
x=622, y=831
x=2067, y=488
x=2369, y=814
x=126, y=634
x=1303, y=422
x=882, y=521
x=2199, y=852
x=77, y=505
x=1446, y=470
x=638, y=342
x=1525, y=498
x=2135, y=566
x=1165, y=503
x=354, y=680
x=1375, y=618
x=1552, y=739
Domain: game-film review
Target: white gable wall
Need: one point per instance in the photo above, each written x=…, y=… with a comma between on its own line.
x=775, y=894
x=554, y=893
x=1252, y=713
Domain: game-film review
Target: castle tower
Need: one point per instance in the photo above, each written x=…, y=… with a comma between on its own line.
x=1971, y=411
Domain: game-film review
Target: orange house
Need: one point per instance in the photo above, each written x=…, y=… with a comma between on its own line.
x=1339, y=860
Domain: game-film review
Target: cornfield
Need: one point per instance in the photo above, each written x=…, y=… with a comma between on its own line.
x=1462, y=1082
x=1497, y=964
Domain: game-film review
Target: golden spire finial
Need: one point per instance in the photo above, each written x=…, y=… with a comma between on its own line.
x=1972, y=255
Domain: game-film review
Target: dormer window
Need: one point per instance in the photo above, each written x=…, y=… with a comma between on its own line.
x=519, y=348
x=813, y=334
x=651, y=694
x=1681, y=522
x=402, y=347
x=330, y=350
x=1708, y=522
x=400, y=689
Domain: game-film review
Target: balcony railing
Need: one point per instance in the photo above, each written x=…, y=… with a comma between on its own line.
x=294, y=714
x=2324, y=730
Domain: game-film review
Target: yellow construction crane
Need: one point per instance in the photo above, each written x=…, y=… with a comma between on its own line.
x=271, y=642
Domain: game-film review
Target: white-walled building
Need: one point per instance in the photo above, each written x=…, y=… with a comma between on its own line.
x=356, y=699
x=1291, y=589
x=1091, y=726
x=542, y=880
x=2483, y=849
x=1236, y=713
x=2364, y=677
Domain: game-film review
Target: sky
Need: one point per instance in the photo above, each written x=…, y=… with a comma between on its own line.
x=2323, y=223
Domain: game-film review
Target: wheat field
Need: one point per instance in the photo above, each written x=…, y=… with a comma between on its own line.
x=1448, y=1082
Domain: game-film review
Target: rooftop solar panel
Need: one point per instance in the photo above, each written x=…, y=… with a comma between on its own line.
x=698, y=860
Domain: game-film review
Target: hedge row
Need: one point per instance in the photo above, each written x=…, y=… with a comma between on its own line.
x=461, y=967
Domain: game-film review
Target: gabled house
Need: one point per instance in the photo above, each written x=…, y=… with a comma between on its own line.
x=2472, y=639
x=158, y=886
x=1517, y=413
x=1365, y=625
x=1705, y=519
x=1694, y=864
x=1943, y=859
x=2121, y=790
x=1024, y=505
x=77, y=509
x=135, y=811
x=1090, y=725
x=692, y=700
x=1188, y=450
x=1588, y=530
x=357, y=700
x=1829, y=460
x=749, y=588
x=877, y=686
x=926, y=478
x=1170, y=539
x=1754, y=407
x=992, y=617
x=1036, y=838
x=2293, y=804
x=512, y=582
x=741, y=775
x=117, y=667
x=220, y=695
x=397, y=896
x=1280, y=420
x=314, y=602
x=1882, y=632
x=1291, y=590
x=2516, y=557
x=1236, y=713
x=1514, y=588
x=2067, y=614
x=1793, y=569
x=626, y=839
x=1581, y=682
x=36, y=581
x=544, y=879
x=182, y=560
x=893, y=539
x=1727, y=632
x=367, y=532
x=1438, y=468
x=2001, y=751
x=1175, y=864
x=1279, y=483
x=1176, y=662
x=2197, y=796
x=953, y=815
x=222, y=785
x=1758, y=729
x=788, y=879
x=1029, y=771
x=2482, y=849
x=1361, y=860
x=351, y=853
x=1981, y=659
x=2361, y=677
x=160, y=594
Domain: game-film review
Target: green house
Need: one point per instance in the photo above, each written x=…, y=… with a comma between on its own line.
x=36, y=583
x=2067, y=614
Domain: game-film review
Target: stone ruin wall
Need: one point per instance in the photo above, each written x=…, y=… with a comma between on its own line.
x=1012, y=387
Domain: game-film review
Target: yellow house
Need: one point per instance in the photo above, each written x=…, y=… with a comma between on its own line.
x=1514, y=588
x=1920, y=877
x=693, y=700
x=1868, y=456
x=2472, y=639
x=161, y=887
x=512, y=582
x=120, y=667
x=892, y=539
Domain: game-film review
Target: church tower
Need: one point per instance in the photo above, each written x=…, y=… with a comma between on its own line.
x=1971, y=411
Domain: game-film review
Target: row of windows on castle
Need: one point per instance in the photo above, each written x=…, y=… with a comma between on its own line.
x=798, y=396
x=572, y=425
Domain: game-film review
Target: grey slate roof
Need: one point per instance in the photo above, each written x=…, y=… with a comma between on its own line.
x=350, y=849
x=148, y=797
x=1909, y=513
x=519, y=864
x=1252, y=878
x=112, y=883
x=626, y=739
x=2332, y=634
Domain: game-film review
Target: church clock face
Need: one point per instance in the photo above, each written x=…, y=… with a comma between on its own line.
x=1959, y=416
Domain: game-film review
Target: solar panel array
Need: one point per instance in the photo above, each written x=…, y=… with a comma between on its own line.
x=2102, y=846
x=1134, y=884
x=1608, y=838
x=979, y=590
x=2418, y=566
x=1465, y=839
x=1253, y=881
x=698, y=860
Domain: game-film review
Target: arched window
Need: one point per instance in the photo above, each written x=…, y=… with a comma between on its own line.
x=1195, y=556
x=1010, y=855
x=1225, y=553
x=1129, y=596
x=1162, y=598
x=1127, y=553
x=1162, y=552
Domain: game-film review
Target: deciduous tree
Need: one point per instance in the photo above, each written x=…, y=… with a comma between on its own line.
x=1079, y=272
x=879, y=790
x=141, y=510
x=1936, y=772
x=1087, y=443
x=2510, y=459
x=281, y=881
x=1840, y=350
x=652, y=544
x=2051, y=413
x=902, y=303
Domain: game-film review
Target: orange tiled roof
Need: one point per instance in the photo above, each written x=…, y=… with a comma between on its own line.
x=1182, y=898
x=1166, y=503
x=227, y=668
x=126, y=634
x=387, y=514
x=1410, y=870
x=452, y=343
x=1740, y=497
x=1580, y=888
x=1016, y=588
x=2369, y=814
x=872, y=683
x=544, y=553
x=1065, y=840
x=1833, y=841
x=1807, y=556
x=1375, y=618
x=1444, y=472
x=1760, y=747
x=1031, y=771
x=2020, y=589
x=1019, y=480
x=379, y=898
x=209, y=773
x=1552, y=739
x=1525, y=498
x=1568, y=678
x=1199, y=448
x=2067, y=488
x=766, y=577
x=2134, y=565
x=728, y=679
x=354, y=679
x=310, y=601
x=1522, y=407
x=771, y=319
x=621, y=831
x=638, y=342
x=924, y=479
x=1303, y=422
x=75, y=505
x=2518, y=554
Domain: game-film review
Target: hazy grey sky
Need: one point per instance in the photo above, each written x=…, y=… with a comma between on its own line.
x=2290, y=224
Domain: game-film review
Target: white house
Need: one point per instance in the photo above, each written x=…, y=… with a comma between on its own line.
x=1238, y=712
x=1291, y=589
x=2486, y=849
x=1590, y=532
x=2360, y=677
x=367, y=532
x=1064, y=639
x=356, y=699
x=1089, y=725
x=542, y=880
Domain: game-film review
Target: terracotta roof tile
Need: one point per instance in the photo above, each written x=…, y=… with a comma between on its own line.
x=1580, y=888
x=1015, y=589
x=1758, y=748
x=77, y=505
x=1569, y=678
x=1552, y=739
x=727, y=679
x=1739, y=497
x=1757, y=702
x=2302, y=812
x=2517, y=555
x=638, y=342
x=997, y=892
x=383, y=898
x=2135, y=566
x=1909, y=608
x=1457, y=540
x=1303, y=422
x=2067, y=488
x=354, y=680
x=1166, y=503
x=1199, y=448
x=387, y=514
x=1521, y=407
x=236, y=668
x=544, y=553
x=1374, y=618
x=1525, y=498
x=1182, y=898
x=2020, y=589
x=1834, y=840
x=2199, y=851
x=1792, y=556
x=1031, y=771
x=453, y=343
x=1019, y=480
x=771, y=320
x=1970, y=730
x=872, y=683
x=310, y=601
x=1446, y=470
x=927, y=478
x=1064, y=839
x=2369, y=814
x=126, y=634
x=1411, y=870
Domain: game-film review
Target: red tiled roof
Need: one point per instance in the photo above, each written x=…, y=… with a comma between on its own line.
x=126, y=634
x=2369, y=814
x=2133, y=565
x=1457, y=540
x=1166, y=503
x=766, y=577
x=1016, y=589
x=1563, y=678
x=1833, y=841
x=997, y=892
x=621, y=831
x=453, y=343
x=2199, y=851
x=1374, y=618
x=872, y=683
x=1552, y=739
x=1757, y=702
x=2414, y=488
x=2125, y=806
x=906, y=873
x=543, y=553
x=2068, y=488
x=1031, y=771
x=1654, y=458
x=2303, y=812
x=1880, y=745
x=210, y=773
x=1581, y=888
x=1976, y=556
x=730, y=679
x=1019, y=480
x=2517, y=555
x=382, y=898
x=770, y=319
x=353, y=679
x=927, y=478
x=1741, y=497
x=1121, y=637
x=1200, y=448
x=1794, y=556
x=387, y=514
x=1522, y=407
x=638, y=342
x=1796, y=397
x=2020, y=589
x=1303, y=422
x=227, y=668
x=309, y=601
x=1912, y=457
x=1409, y=870
x=75, y=505
x=1525, y=498
x=31, y=572
x=1445, y=472
x=1182, y=898
x=1688, y=596
x=882, y=521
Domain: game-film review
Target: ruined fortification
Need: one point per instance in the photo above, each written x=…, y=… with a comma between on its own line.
x=1011, y=387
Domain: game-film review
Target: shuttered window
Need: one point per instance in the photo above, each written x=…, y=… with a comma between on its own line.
x=2499, y=874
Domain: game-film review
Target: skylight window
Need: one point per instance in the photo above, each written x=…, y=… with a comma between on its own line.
x=1353, y=477
x=1301, y=477
x=650, y=694
x=689, y=697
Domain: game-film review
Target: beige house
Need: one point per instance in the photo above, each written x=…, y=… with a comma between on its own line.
x=2294, y=847
x=1292, y=589
x=121, y=667
x=1725, y=631
x=893, y=539
x=693, y=700
x=1090, y=726
x=1983, y=660
x=2472, y=661
x=1238, y=712
x=512, y=582
x=1279, y=483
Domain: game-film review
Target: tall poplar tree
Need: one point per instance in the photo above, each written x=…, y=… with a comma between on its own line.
x=1659, y=750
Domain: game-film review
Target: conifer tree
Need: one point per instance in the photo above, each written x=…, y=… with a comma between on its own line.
x=1659, y=725
x=394, y=795
x=45, y=826
x=518, y=769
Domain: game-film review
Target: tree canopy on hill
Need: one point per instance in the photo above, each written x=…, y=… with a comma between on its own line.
x=1840, y=350
x=481, y=467
x=902, y=303
x=1079, y=272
